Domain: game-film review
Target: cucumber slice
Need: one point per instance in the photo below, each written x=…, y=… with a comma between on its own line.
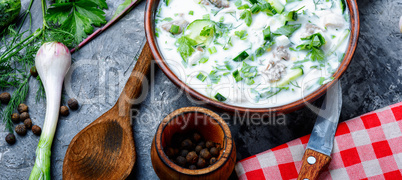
x=290, y=77
x=278, y=6
x=194, y=29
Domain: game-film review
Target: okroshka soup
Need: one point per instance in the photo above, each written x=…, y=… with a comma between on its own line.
x=253, y=53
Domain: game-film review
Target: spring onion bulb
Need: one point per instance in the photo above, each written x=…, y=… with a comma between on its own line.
x=52, y=63
x=400, y=24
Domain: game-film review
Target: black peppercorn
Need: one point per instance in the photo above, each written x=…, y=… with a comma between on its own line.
x=33, y=71
x=36, y=130
x=196, y=137
x=205, y=154
x=192, y=167
x=169, y=152
x=10, y=138
x=5, y=97
x=22, y=108
x=198, y=149
x=202, y=144
x=24, y=116
x=192, y=157
x=181, y=161
x=64, y=111
x=212, y=161
x=209, y=144
x=21, y=130
x=72, y=104
x=201, y=163
x=184, y=152
x=214, y=151
x=186, y=144
x=28, y=123
x=15, y=117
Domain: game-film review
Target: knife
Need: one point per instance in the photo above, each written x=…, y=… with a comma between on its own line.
x=318, y=152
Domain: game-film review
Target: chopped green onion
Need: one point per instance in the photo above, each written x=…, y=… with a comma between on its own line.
x=206, y=16
x=241, y=57
x=237, y=76
x=255, y=8
x=267, y=34
x=204, y=60
x=174, y=29
x=191, y=12
x=201, y=77
x=259, y=52
x=212, y=50
x=219, y=97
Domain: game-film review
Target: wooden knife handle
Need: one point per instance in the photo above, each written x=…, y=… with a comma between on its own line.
x=313, y=164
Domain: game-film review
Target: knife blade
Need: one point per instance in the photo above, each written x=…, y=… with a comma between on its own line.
x=321, y=142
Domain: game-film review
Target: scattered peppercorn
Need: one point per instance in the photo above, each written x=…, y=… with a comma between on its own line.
x=209, y=144
x=22, y=108
x=10, y=138
x=196, y=137
x=192, y=157
x=36, y=130
x=186, y=144
x=28, y=123
x=72, y=104
x=15, y=117
x=64, y=111
x=33, y=71
x=5, y=97
x=214, y=151
x=201, y=163
x=212, y=161
x=24, y=116
x=21, y=130
x=181, y=161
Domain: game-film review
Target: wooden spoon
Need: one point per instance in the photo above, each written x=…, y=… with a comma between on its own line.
x=105, y=149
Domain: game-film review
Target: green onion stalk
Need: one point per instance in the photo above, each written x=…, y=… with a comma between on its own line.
x=52, y=62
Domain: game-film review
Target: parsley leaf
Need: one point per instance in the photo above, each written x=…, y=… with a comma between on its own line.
x=316, y=40
x=185, y=47
x=78, y=17
x=317, y=54
x=287, y=30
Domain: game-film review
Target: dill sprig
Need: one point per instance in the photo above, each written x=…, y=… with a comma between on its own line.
x=17, y=98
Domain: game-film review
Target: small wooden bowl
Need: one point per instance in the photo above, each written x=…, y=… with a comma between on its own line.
x=211, y=126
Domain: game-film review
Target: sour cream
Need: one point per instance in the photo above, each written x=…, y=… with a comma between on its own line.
x=277, y=70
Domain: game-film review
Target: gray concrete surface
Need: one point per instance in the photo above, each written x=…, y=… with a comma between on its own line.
x=102, y=67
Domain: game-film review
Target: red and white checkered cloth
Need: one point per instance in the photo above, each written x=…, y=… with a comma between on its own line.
x=366, y=147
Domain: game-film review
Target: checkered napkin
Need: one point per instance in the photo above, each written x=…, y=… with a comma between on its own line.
x=366, y=147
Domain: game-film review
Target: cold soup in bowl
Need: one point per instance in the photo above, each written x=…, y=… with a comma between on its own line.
x=253, y=53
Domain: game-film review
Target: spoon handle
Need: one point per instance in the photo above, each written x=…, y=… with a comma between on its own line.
x=136, y=87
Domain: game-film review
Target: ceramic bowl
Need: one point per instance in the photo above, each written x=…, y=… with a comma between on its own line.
x=151, y=9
